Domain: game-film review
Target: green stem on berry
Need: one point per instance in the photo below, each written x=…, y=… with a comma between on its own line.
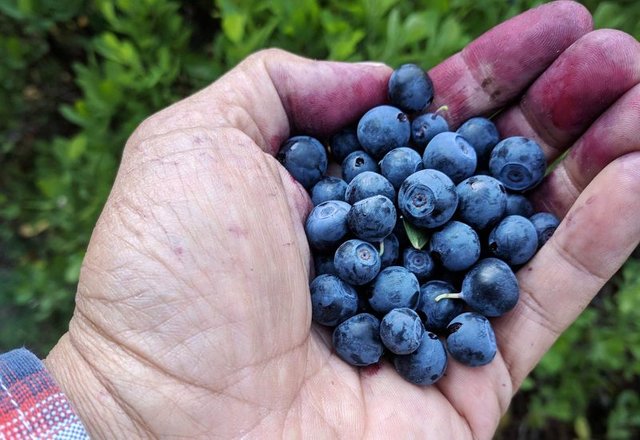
x=381, y=251
x=451, y=295
x=442, y=109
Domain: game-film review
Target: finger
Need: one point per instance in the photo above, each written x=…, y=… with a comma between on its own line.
x=494, y=69
x=586, y=250
x=582, y=83
x=614, y=134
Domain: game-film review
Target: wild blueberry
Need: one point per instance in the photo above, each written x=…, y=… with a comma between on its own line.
x=357, y=340
x=343, y=143
x=401, y=330
x=357, y=262
x=305, y=158
x=323, y=264
x=482, y=201
x=394, y=287
x=517, y=204
x=425, y=127
x=514, y=239
x=471, y=340
x=400, y=163
x=426, y=365
x=390, y=251
x=382, y=129
x=326, y=224
x=372, y=219
x=356, y=163
x=518, y=163
x=332, y=300
x=436, y=315
x=329, y=188
x=410, y=88
x=545, y=224
x=427, y=198
x=452, y=154
x=368, y=184
x=456, y=246
x=482, y=134
x=419, y=262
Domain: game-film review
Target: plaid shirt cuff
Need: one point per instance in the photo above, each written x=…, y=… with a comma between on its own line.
x=31, y=404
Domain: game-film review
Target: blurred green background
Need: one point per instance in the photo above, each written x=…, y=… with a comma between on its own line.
x=77, y=76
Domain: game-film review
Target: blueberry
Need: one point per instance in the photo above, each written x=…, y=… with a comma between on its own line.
x=401, y=331
x=356, y=163
x=418, y=262
x=329, y=188
x=514, y=240
x=482, y=201
x=438, y=314
x=452, y=154
x=471, y=340
x=326, y=224
x=545, y=224
x=517, y=204
x=305, y=158
x=382, y=129
x=518, y=163
x=400, y=163
x=368, y=184
x=425, y=127
x=490, y=288
x=426, y=365
x=323, y=264
x=357, y=340
x=373, y=218
x=343, y=143
x=410, y=88
x=482, y=134
x=456, y=246
x=390, y=251
x=393, y=288
x=332, y=300
x=427, y=198
x=356, y=262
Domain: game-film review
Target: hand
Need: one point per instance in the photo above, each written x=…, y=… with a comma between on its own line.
x=193, y=312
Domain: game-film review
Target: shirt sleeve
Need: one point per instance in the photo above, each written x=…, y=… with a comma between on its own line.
x=31, y=404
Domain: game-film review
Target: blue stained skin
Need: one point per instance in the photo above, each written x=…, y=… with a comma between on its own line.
x=305, y=158
x=518, y=163
x=428, y=198
x=456, y=246
x=326, y=224
x=400, y=163
x=419, y=262
x=437, y=314
x=452, y=154
x=514, y=239
x=391, y=251
x=410, y=88
x=323, y=264
x=382, y=129
x=426, y=365
x=545, y=224
x=490, y=287
x=356, y=163
x=368, y=184
x=471, y=340
x=482, y=134
x=329, y=188
x=357, y=340
x=517, y=204
x=332, y=300
x=482, y=201
x=425, y=127
x=357, y=262
x=393, y=288
x=372, y=219
x=401, y=331
x=343, y=143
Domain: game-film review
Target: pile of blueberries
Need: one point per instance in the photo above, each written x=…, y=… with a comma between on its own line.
x=415, y=247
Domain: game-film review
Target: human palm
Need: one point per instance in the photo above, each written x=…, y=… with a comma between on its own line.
x=193, y=315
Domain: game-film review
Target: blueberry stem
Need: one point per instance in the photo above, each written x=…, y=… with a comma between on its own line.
x=442, y=109
x=451, y=295
x=381, y=251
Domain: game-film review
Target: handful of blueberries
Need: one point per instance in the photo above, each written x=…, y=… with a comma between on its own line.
x=416, y=245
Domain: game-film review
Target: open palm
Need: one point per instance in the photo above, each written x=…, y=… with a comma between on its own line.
x=193, y=315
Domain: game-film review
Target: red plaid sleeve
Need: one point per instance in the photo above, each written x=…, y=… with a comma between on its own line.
x=31, y=404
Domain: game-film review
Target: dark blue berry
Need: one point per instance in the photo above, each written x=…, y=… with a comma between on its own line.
x=426, y=365
x=425, y=127
x=357, y=340
x=368, y=184
x=394, y=287
x=390, y=251
x=514, y=240
x=482, y=134
x=517, y=204
x=326, y=224
x=471, y=340
x=452, y=154
x=400, y=163
x=401, y=331
x=382, y=129
x=332, y=300
x=357, y=262
x=419, y=262
x=545, y=224
x=329, y=188
x=356, y=163
x=343, y=143
x=438, y=314
x=372, y=219
x=410, y=88
x=305, y=158
x=427, y=198
x=482, y=201
x=456, y=246
x=518, y=163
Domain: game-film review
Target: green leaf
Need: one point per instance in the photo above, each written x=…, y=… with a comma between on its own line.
x=233, y=26
x=417, y=237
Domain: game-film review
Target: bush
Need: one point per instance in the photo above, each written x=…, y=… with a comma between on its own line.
x=77, y=77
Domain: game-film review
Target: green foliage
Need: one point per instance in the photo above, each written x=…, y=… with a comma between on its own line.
x=77, y=77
